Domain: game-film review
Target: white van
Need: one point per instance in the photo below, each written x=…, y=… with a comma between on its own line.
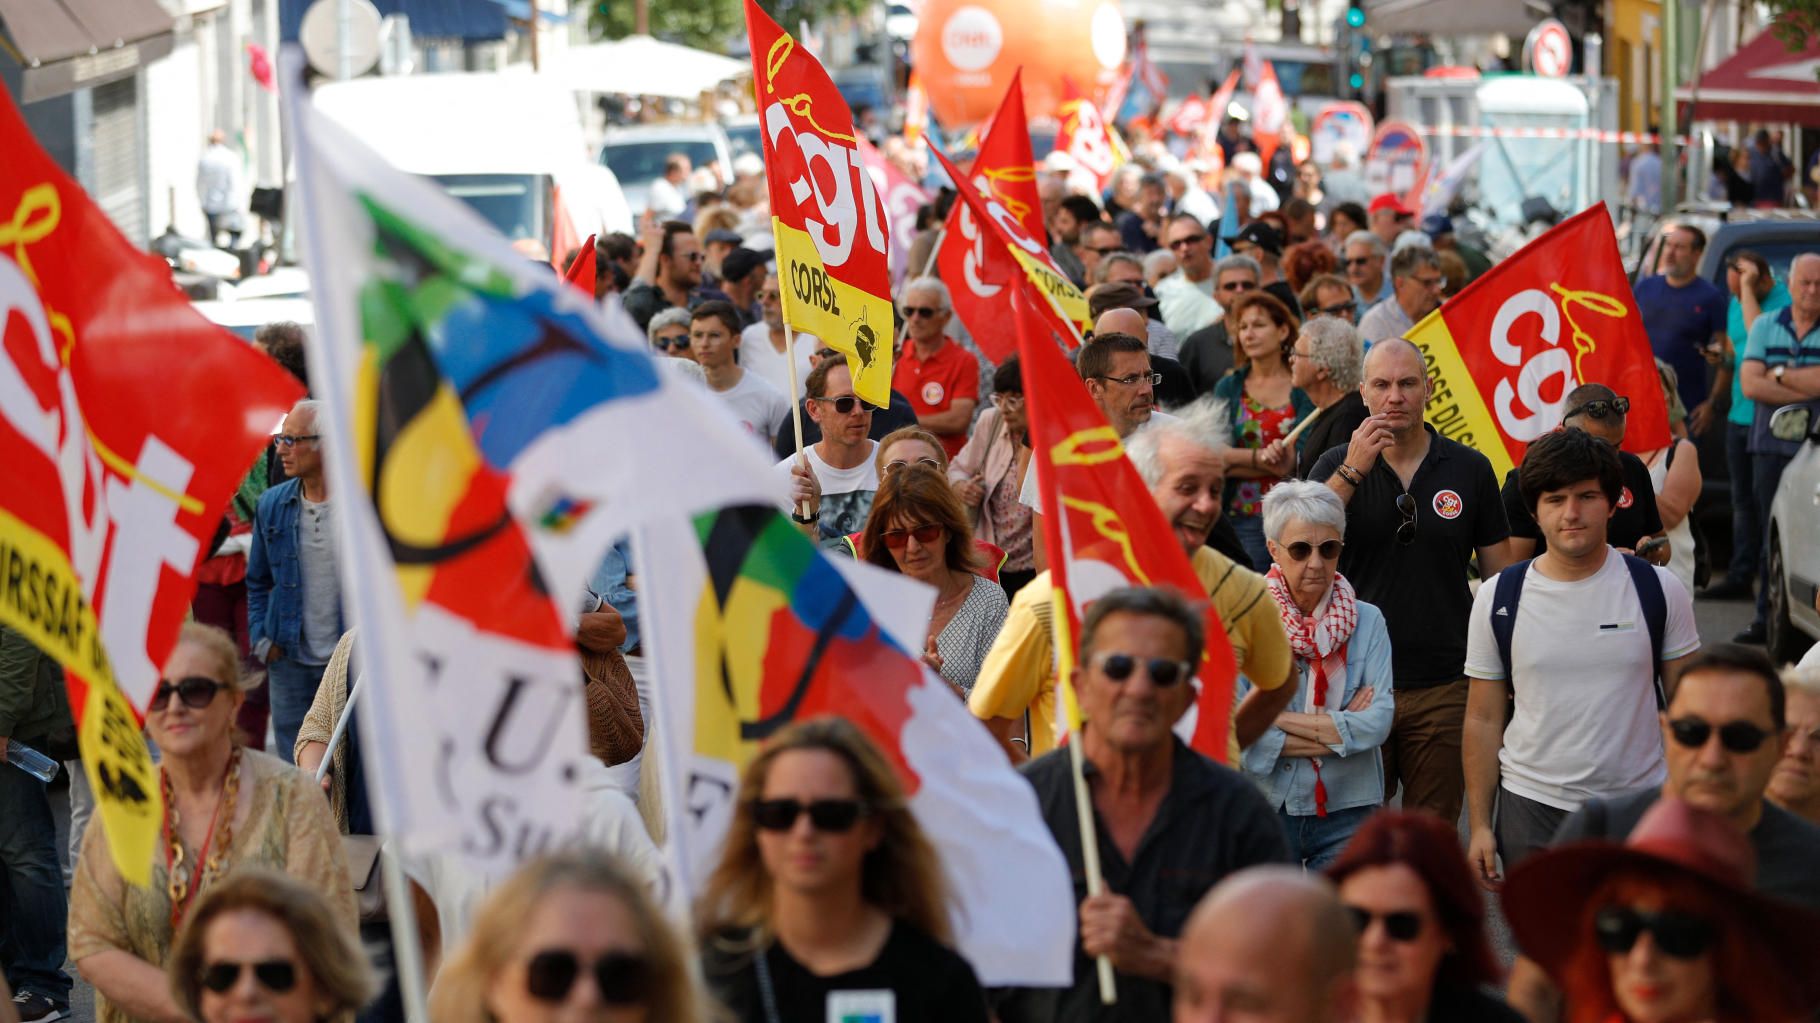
x=508, y=143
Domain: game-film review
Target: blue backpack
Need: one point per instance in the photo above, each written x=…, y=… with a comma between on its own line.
x=1649, y=593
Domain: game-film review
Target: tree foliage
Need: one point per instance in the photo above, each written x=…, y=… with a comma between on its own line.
x=709, y=24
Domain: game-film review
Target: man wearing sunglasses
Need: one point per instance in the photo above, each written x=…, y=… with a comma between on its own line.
x=1580, y=657
x=1171, y=822
x=1068, y=226
x=1187, y=295
x=1723, y=732
x=941, y=378
x=1362, y=257
x=1419, y=506
x=34, y=712
x=1099, y=239
x=669, y=272
x=1207, y=353
x=840, y=479
x=1415, y=283
x=293, y=583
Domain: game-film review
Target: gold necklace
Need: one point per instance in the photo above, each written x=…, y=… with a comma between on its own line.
x=183, y=884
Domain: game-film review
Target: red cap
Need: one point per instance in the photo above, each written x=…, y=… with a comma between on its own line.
x=1390, y=201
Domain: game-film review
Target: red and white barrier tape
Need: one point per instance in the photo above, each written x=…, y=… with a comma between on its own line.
x=1594, y=134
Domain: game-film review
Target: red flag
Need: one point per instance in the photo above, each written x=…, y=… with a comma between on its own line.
x=1504, y=352
x=581, y=271
x=126, y=422
x=1083, y=135
x=1190, y=117
x=1269, y=114
x=1004, y=237
x=1102, y=528
x=1219, y=109
x=903, y=198
x=833, y=261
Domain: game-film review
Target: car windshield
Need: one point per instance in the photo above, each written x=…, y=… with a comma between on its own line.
x=1514, y=169
x=513, y=203
x=637, y=162
x=1778, y=252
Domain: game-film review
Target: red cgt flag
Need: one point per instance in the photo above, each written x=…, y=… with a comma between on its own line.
x=1503, y=353
x=1083, y=134
x=903, y=197
x=1102, y=529
x=126, y=422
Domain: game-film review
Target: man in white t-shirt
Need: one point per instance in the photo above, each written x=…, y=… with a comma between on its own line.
x=842, y=476
x=1583, y=668
x=714, y=338
x=761, y=346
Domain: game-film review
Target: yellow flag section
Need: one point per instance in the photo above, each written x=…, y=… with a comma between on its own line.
x=1068, y=299
x=833, y=249
x=1455, y=407
x=42, y=600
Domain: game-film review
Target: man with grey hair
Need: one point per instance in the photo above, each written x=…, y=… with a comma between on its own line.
x=1159, y=265
x=1415, y=282
x=1274, y=939
x=1325, y=362
x=1207, y=353
x=1362, y=257
x=293, y=584
x=1119, y=268
x=1180, y=460
x=1795, y=785
x=940, y=377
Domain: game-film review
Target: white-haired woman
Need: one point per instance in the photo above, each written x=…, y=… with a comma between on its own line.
x=1325, y=361
x=1319, y=764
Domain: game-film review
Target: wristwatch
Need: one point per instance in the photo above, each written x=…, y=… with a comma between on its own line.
x=1778, y=371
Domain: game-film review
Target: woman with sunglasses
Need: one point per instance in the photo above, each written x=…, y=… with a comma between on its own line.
x=1423, y=953
x=669, y=334
x=1262, y=405
x=570, y=938
x=225, y=807
x=1319, y=764
x=917, y=527
x=1666, y=928
x=261, y=946
x=828, y=902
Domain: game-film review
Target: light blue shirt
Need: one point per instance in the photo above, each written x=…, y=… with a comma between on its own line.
x=1354, y=775
x=1743, y=409
x=609, y=584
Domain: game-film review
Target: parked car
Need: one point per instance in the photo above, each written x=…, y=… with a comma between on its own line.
x=636, y=154
x=1794, y=539
x=243, y=317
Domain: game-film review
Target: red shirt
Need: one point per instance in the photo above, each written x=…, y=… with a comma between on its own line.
x=933, y=385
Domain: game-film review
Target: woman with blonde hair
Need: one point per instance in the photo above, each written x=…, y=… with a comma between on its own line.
x=262, y=946
x=571, y=937
x=828, y=900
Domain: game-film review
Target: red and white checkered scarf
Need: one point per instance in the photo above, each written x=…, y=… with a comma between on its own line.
x=1321, y=643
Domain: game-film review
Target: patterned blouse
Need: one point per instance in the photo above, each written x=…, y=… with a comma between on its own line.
x=1257, y=427
x=969, y=634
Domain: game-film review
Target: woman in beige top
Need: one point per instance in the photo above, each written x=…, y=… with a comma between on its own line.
x=224, y=806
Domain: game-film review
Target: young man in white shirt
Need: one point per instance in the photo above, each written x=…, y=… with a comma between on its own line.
x=842, y=475
x=714, y=338
x=1583, y=659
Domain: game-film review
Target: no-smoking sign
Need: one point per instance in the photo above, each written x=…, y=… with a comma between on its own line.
x=1549, y=51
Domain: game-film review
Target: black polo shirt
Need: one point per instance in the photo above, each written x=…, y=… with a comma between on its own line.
x=1332, y=425
x=1211, y=822
x=1421, y=587
x=1636, y=517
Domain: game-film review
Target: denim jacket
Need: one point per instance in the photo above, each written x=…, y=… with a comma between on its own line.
x=1354, y=776
x=274, y=578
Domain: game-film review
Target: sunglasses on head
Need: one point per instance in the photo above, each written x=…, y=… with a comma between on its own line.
x=914, y=311
x=289, y=440
x=834, y=816
x=1735, y=736
x=621, y=978
x=892, y=467
x=1599, y=408
x=275, y=975
x=679, y=343
x=1677, y=934
x=898, y=539
x=845, y=404
x=1163, y=672
x=195, y=691
x=1406, y=505
x=1403, y=925
x=1301, y=549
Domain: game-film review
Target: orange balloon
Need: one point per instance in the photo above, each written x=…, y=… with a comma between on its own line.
x=966, y=51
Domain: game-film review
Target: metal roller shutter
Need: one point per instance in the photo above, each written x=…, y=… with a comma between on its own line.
x=118, y=184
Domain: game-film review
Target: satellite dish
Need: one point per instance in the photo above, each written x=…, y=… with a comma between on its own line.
x=321, y=36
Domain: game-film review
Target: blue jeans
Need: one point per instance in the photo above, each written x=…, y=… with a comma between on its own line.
x=292, y=687
x=1314, y=842
x=1251, y=535
x=1766, y=473
x=1747, y=529
x=32, y=908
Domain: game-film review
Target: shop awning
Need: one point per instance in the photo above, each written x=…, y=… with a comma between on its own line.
x=470, y=21
x=1764, y=81
x=1453, y=18
x=65, y=45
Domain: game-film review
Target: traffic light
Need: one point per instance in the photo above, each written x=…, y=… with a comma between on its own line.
x=1355, y=16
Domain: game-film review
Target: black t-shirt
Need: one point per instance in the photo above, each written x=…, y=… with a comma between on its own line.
x=924, y=980
x=884, y=422
x=1788, y=848
x=1636, y=517
x=1421, y=586
x=1332, y=426
x=1206, y=354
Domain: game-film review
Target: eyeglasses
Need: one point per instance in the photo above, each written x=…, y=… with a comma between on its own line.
x=1301, y=549
x=275, y=975
x=1735, y=736
x=1238, y=286
x=1162, y=671
x=914, y=311
x=679, y=342
x=1358, y=260
x=827, y=353
x=1402, y=925
x=1193, y=240
x=1105, y=250
x=621, y=977
x=1343, y=309
x=898, y=539
x=1132, y=379
x=693, y=257
x=1599, y=408
x=845, y=404
x=195, y=691
x=1406, y=533
x=1430, y=282
x=768, y=296
x=289, y=440
x=1681, y=935
x=892, y=467
x=835, y=816
x=1009, y=399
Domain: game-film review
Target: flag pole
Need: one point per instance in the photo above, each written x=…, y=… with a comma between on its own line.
x=796, y=405
x=341, y=724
